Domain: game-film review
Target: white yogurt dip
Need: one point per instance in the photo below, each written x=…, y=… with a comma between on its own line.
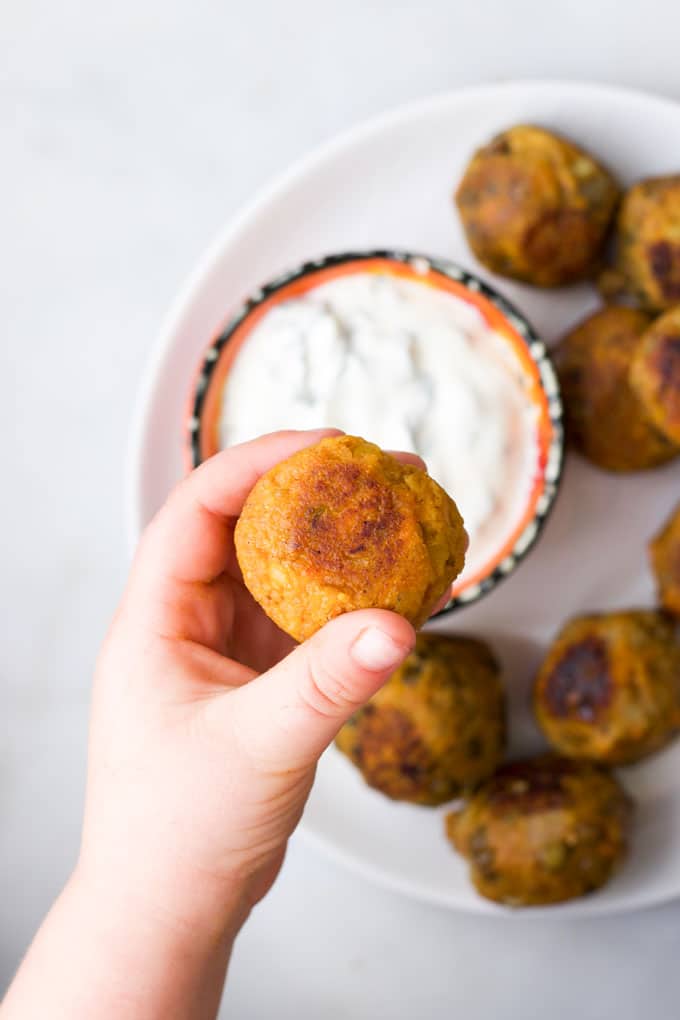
x=407, y=366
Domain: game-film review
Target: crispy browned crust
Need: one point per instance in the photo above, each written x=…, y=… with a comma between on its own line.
x=605, y=418
x=664, y=550
x=648, y=242
x=436, y=728
x=542, y=830
x=655, y=374
x=536, y=207
x=342, y=526
x=609, y=688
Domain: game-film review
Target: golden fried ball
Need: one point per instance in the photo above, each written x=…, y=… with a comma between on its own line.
x=609, y=688
x=436, y=728
x=605, y=418
x=665, y=555
x=536, y=207
x=648, y=244
x=341, y=526
x=655, y=374
x=543, y=830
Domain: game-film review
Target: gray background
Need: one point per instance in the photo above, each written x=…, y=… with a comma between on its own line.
x=130, y=132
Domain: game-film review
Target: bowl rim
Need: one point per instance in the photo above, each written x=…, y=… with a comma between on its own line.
x=536, y=349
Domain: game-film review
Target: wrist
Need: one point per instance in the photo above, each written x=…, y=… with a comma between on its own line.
x=107, y=952
x=182, y=917
x=152, y=944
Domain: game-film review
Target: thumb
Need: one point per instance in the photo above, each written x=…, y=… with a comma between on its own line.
x=287, y=716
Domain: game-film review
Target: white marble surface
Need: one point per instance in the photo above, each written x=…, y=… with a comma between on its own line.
x=130, y=132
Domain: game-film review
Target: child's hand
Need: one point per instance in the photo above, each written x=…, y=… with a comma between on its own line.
x=206, y=729
x=206, y=724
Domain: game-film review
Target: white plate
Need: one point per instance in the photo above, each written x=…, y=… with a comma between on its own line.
x=388, y=184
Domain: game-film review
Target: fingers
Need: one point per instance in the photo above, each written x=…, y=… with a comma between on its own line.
x=189, y=540
x=181, y=580
x=289, y=715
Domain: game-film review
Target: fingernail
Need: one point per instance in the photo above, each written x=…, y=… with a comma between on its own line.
x=374, y=649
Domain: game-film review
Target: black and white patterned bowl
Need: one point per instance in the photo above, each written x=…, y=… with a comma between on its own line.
x=201, y=432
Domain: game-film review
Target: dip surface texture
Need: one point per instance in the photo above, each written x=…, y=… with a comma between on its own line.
x=411, y=366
